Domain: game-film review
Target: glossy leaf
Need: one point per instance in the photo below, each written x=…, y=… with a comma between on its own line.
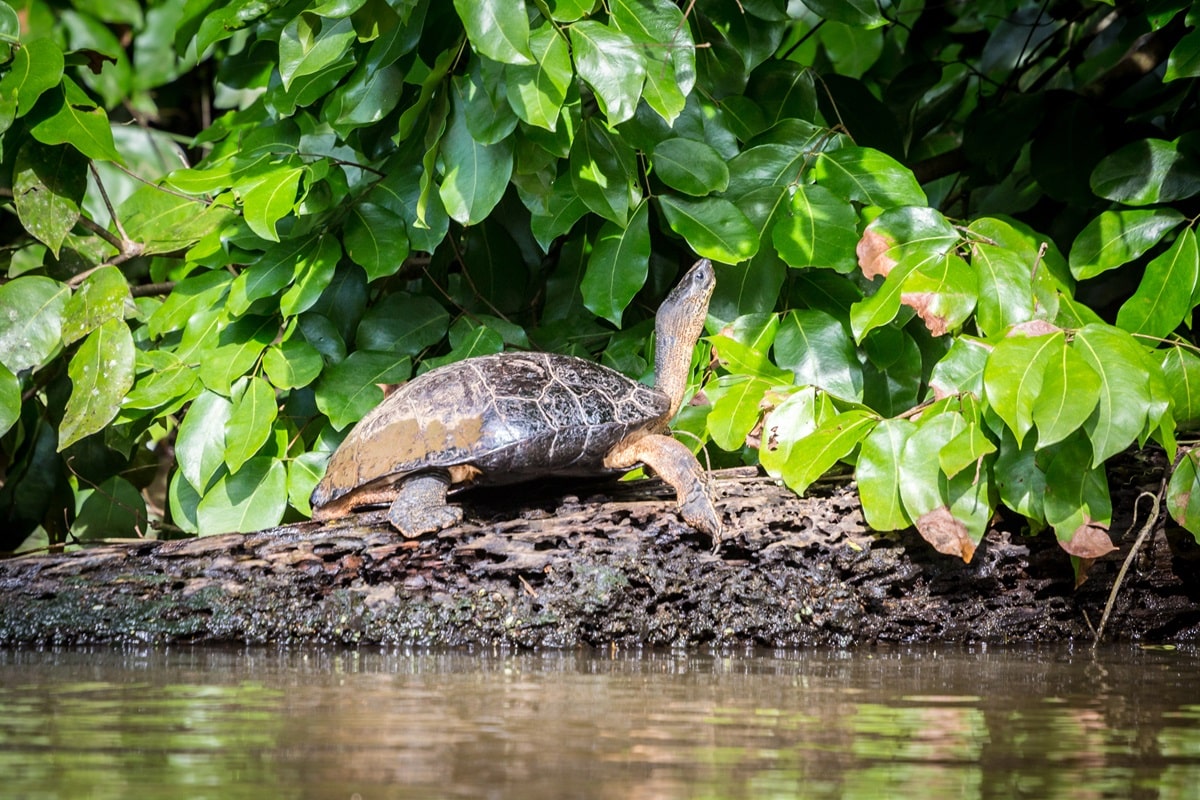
x=10, y=399
x=250, y=421
x=311, y=276
x=868, y=176
x=1070, y=392
x=690, y=167
x=713, y=227
x=250, y=499
x=200, y=442
x=101, y=373
x=618, y=266
x=832, y=441
x=1014, y=375
x=1115, y=238
x=349, y=389
x=474, y=175
x=167, y=382
x=736, y=413
x=402, y=323
x=114, y=509
x=271, y=199
x=375, y=239
x=877, y=473
x=72, y=117
x=859, y=13
x=236, y=350
x=536, y=92
x=785, y=427
x=1077, y=501
x=310, y=43
x=1181, y=370
x=819, y=351
x=292, y=364
x=1183, y=493
x=31, y=321
x=1125, y=393
x=820, y=230
x=612, y=65
x=498, y=29
x=1005, y=282
x=37, y=67
x=1146, y=172
x=1164, y=295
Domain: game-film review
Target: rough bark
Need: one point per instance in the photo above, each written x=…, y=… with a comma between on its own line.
x=617, y=568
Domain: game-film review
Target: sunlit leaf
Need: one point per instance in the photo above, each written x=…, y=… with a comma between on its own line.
x=713, y=227
x=1013, y=377
x=250, y=421
x=1164, y=295
x=1115, y=238
x=31, y=321
x=250, y=499
x=877, y=473
x=499, y=29
x=101, y=373
x=618, y=266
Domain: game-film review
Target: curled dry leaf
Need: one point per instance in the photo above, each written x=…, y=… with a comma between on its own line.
x=1033, y=327
x=946, y=534
x=872, y=251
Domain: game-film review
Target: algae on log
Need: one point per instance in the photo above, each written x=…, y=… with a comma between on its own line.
x=616, y=569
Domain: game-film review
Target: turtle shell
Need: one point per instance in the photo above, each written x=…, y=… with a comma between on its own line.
x=511, y=416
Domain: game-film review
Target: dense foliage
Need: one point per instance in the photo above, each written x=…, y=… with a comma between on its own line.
x=955, y=240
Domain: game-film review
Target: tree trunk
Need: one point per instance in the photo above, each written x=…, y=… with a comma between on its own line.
x=617, y=568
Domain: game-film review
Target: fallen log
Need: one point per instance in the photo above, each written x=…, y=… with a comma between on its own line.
x=615, y=568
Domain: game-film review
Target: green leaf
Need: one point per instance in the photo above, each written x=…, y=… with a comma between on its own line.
x=1077, y=501
x=786, y=426
x=402, y=323
x=200, y=442
x=31, y=320
x=667, y=46
x=877, y=473
x=617, y=268
x=311, y=277
x=375, y=239
x=536, y=93
x=48, y=188
x=250, y=499
x=857, y=13
x=349, y=389
x=1005, y=281
x=1184, y=60
x=832, y=441
x=960, y=371
x=182, y=499
x=304, y=473
x=292, y=364
x=201, y=291
x=270, y=199
x=10, y=399
x=766, y=165
x=1183, y=493
x=474, y=175
x=736, y=412
x=270, y=273
x=1146, y=172
x=868, y=176
x=114, y=509
x=68, y=116
x=167, y=381
x=1020, y=481
x=612, y=65
x=819, y=351
x=237, y=349
x=1125, y=392
x=1070, y=392
x=163, y=222
x=101, y=297
x=310, y=43
x=101, y=373
x=498, y=29
x=966, y=449
x=250, y=422
x=1115, y=238
x=1181, y=370
x=821, y=230
x=713, y=227
x=942, y=292
x=603, y=171
x=690, y=167
x=1164, y=296
x=37, y=67
x=1013, y=377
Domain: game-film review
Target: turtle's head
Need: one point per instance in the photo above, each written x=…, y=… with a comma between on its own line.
x=677, y=326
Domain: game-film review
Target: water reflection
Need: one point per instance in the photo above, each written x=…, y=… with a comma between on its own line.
x=866, y=723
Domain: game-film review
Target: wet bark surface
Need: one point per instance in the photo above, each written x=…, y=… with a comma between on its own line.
x=600, y=565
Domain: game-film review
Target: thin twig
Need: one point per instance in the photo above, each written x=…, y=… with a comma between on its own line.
x=1156, y=500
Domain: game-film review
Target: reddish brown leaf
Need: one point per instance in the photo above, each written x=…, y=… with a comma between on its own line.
x=872, y=251
x=1033, y=327
x=946, y=534
x=923, y=303
x=1090, y=540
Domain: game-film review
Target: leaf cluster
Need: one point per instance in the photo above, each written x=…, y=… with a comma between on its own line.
x=955, y=243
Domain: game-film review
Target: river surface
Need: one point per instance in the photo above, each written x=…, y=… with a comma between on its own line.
x=186, y=723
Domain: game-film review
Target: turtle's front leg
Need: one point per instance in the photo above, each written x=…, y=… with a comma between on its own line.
x=420, y=505
x=676, y=465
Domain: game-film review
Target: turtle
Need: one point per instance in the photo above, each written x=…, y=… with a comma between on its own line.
x=524, y=416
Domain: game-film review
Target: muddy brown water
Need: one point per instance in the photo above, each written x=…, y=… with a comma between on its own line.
x=872, y=723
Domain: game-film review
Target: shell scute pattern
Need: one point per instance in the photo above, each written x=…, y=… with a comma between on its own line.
x=511, y=415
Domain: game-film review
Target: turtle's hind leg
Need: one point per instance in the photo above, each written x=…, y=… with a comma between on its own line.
x=420, y=505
